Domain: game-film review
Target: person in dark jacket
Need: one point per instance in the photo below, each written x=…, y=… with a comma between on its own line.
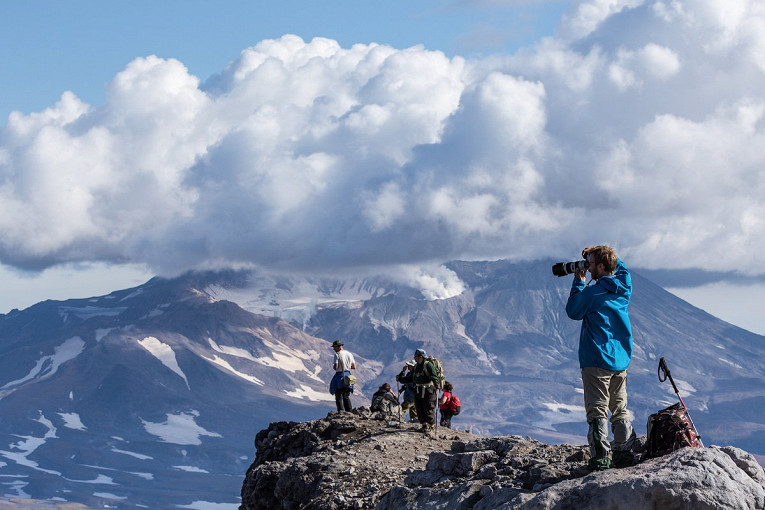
x=408, y=390
x=605, y=351
x=384, y=400
x=424, y=376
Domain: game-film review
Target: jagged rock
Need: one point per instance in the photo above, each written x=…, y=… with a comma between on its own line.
x=358, y=461
x=346, y=460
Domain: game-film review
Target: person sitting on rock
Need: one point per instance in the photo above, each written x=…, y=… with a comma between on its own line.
x=384, y=400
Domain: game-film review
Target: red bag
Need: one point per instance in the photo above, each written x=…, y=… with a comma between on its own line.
x=454, y=404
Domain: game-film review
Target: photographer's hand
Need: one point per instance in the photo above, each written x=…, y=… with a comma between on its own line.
x=581, y=274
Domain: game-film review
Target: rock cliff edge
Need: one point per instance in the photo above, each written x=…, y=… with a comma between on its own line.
x=359, y=460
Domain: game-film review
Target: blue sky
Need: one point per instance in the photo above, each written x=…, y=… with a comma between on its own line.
x=52, y=46
x=141, y=138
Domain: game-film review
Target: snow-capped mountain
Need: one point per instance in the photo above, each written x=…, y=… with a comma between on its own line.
x=149, y=396
x=152, y=396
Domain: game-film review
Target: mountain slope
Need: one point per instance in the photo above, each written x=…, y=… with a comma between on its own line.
x=150, y=395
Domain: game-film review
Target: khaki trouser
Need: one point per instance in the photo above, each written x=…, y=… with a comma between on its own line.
x=411, y=408
x=604, y=391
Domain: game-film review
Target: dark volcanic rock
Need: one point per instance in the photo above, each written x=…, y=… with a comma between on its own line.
x=359, y=460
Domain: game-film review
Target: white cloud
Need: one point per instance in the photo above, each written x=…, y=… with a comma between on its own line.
x=308, y=155
x=435, y=282
x=384, y=207
x=659, y=61
x=651, y=61
x=589, y=14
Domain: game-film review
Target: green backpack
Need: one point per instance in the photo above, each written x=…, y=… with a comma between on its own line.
x=439, y=371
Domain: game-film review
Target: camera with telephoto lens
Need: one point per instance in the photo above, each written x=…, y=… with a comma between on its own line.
x=564, y=268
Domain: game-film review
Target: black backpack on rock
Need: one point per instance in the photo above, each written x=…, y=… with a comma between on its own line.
x=671, y=428
x=668, y=430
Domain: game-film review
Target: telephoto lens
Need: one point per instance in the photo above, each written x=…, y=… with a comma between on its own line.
x=564, y=268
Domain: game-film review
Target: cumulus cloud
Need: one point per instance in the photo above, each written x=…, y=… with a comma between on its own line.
x=588, y=15
x=640, y=125
x=653, y=60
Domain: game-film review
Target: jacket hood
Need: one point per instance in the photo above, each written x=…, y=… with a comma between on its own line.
x=613, y=285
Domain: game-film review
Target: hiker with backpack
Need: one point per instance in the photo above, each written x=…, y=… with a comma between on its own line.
x=343, y=381
x=408, y=390
x=427, y=381
x=605, y=351
x=449, y=405
x=384, y=400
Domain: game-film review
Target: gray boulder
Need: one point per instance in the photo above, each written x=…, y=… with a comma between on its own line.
x=688, y=479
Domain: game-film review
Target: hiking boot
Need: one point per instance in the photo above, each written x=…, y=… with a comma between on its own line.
x=599, y=464
x=623, y=459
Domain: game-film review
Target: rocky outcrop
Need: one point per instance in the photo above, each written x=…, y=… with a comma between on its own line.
x=691, y=478
x=361, y=460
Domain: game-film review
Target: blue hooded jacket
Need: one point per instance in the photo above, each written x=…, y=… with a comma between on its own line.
x=606, y=337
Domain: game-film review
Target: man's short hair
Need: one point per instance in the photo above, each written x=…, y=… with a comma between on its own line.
x=605, y=255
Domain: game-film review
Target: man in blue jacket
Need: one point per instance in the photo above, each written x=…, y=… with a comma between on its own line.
x=605, y=351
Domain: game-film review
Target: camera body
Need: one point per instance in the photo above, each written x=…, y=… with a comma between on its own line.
x=564, y=268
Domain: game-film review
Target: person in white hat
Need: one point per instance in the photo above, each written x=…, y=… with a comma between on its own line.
x=408, y=390
x=342, y=365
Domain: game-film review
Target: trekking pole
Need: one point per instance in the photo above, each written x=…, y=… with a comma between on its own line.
x=398, y=396
x=435, y=433
x=663, y=368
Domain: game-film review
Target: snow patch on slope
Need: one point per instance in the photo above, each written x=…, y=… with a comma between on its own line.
x=23, y=449
x=139, y=456
x=48, y=365
x=179, y=428
x=282, y=357
x=553, y=413
x=311, y=394
x=165, y=354
x=72, y=421
x=88, y=312
x=226, y=365
x=295, y=300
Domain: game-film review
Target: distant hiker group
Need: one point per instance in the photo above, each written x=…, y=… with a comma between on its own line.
x=420, y=380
